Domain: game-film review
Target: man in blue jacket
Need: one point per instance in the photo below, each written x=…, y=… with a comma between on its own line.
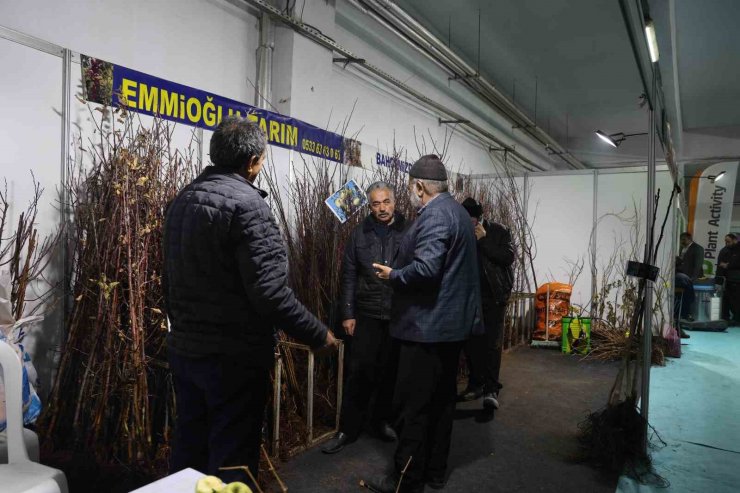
x=436, y=304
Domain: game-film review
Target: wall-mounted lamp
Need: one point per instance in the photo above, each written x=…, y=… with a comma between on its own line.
x=652, y=40
x=615, y=139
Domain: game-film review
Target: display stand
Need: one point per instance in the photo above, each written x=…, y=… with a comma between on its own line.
x=276, y=397
x=547, y=343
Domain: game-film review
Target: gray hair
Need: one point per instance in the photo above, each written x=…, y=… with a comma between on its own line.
x=381, y=185
x=433, y=187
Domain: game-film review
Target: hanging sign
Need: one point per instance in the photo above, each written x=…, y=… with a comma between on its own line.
x=710, y=210
x=114, y=85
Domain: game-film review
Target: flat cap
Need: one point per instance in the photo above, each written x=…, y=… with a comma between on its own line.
x=429, y=167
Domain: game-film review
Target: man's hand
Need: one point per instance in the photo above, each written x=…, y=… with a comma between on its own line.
x=384, y=272
x=349, y=326
x=480, y=231
x=331, y=341
x=724, y=265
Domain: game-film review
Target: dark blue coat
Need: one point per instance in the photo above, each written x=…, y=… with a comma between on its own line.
x=226, y=273
x=435, y=276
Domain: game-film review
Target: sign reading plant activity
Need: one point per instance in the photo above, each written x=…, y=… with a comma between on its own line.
x=710, y=210
x=114, y=85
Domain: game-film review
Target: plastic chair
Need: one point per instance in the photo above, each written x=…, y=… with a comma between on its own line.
x=31, y=440
x=20, y=475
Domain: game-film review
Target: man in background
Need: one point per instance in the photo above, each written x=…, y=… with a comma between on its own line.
x=436, y=305
x=483, y=352
x=691, y=258
x=721, y=272
x=366, y=310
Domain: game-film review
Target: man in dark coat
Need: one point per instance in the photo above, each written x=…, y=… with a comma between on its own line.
x=721, y=275
x=436, y=305
x=366, y=310
x=495, y=261
x=730, y=265
x=226, y=291
x=691, y=259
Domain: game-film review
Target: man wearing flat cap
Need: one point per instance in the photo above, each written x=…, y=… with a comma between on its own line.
x=436, y=305
x=483, y=352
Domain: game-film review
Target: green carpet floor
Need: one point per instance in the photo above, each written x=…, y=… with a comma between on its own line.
x=695, y=407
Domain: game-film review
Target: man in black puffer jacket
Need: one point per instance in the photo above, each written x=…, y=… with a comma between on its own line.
x=366, y=311
x=226, y=292
x=483, y=352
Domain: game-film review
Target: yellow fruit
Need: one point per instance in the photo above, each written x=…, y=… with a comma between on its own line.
x=236, y=487
x=209, y=484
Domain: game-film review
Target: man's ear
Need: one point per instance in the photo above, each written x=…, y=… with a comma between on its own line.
x=252, y=162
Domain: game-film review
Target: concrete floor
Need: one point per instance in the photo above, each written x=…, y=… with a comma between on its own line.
x=529, y=445
x=695, y=407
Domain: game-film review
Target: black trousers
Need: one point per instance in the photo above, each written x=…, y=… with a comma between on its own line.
x=732, y=299
x=371, y=376
x=426, y=392
x=483, y=352
x=220, y=409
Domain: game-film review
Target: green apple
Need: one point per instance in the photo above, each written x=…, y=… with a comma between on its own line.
x=236, y=487
x=209, y=484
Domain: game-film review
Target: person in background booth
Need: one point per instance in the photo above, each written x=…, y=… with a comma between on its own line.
x=691, y=259
x=226, y=290
x=483, y=353
x=721, y=275
x=366, y=307
x=730, y=265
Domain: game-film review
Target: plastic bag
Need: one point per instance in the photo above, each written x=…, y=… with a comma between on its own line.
x=13, y=332
x=673, y=341
x=549, y=315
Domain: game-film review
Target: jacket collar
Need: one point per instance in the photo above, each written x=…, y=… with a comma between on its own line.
x=398, y=222
x=437, y=199
x=218, y=170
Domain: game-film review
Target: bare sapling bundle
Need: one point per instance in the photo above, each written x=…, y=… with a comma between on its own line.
x=112, y=396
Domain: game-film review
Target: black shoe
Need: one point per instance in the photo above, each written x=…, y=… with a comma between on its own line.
x=470, y=394
x=490, y=401
x=386, y=432
x=436, y=483
x=684, y=335
x=389, y=483
x=336, y=444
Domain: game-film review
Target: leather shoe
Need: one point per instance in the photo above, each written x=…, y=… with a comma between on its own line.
x=684, y=335
x=389, y=483
x=387, y=433
x=336, y=444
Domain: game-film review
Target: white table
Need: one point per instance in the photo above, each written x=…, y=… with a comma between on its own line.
x=180, y=482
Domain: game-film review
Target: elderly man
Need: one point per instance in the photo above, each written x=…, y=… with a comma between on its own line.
x=366, y=306
x=436, y=305
x=226, y=289
x=495, y=260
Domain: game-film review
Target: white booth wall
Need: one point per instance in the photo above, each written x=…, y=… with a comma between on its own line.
x=564, y=209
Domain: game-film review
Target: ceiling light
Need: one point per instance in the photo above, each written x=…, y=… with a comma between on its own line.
x=652, y=40
x=606, y=138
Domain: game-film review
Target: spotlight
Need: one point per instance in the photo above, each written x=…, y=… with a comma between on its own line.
x=615, y=139
x=607, y=138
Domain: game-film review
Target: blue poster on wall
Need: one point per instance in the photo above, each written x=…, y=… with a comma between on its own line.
x=118, y=86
